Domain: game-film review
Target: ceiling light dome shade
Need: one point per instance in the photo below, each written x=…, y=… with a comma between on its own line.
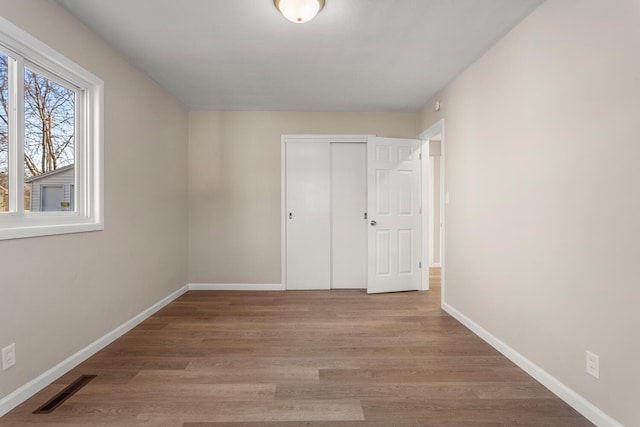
x=299, y=11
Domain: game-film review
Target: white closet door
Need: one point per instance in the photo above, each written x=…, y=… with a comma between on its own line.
x=308, y=197
x=348, y=206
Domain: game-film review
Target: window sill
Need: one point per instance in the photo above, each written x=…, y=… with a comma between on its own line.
x=17, y=227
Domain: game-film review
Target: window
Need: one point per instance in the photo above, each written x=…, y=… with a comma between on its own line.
x=51, y=109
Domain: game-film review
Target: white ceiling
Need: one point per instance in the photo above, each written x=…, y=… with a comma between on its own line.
x=356, y=55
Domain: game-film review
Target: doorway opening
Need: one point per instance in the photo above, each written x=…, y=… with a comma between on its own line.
x=434, y=139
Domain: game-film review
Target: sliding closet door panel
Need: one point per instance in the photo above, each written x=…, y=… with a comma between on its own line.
x=348, y=206
x=308, y=187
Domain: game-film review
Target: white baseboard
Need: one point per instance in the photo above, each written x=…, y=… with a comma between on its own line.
x=236, y=287
x=577, y=402
x=435, y=264
x=347, y=287
x=23, y=393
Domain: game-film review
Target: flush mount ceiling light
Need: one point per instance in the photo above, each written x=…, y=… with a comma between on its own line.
x=299, y=11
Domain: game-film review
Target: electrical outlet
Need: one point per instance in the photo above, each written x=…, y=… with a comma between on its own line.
x=8, y=356
x=593, y=364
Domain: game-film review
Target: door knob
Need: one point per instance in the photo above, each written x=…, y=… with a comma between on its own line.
x=373, y=222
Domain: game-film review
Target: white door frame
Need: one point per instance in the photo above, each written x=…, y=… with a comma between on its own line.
x=425, y=185
x=438, y=129
x=432, y=168
x=283, y=182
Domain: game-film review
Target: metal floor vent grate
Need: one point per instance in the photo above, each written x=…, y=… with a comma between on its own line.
x=69, y=391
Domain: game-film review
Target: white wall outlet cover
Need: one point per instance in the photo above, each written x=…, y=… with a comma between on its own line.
x=593, y=364
x=437, y=106
x=8, y=356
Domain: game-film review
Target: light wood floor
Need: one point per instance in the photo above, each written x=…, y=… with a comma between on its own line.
x=301, y=358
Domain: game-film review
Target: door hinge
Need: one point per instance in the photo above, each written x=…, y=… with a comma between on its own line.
x=365, y=215
x=420, y=264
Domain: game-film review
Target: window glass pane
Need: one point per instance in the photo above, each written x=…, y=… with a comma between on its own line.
x=49, y=146
x=4, y=134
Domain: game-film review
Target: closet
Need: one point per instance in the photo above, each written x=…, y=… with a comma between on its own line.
x=325, y=205
x=352, y=213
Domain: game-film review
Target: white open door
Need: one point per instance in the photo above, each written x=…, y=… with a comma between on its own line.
x=395, y=226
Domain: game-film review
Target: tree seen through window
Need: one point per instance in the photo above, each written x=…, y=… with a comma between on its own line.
x=49, y=129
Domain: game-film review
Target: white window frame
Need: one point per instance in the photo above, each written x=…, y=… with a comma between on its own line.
x=24, y=49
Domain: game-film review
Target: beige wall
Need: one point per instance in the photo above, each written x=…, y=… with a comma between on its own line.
x=60, y=293
x=234, y=185
x=543, y=227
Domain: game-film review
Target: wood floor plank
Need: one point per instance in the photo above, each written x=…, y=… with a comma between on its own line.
x=169, y=393
x=413, y=391
x=365, y=423
x=417, y=362
x=76, y=411
x=469, y=411
x=363, y=391
x=404, y=375
x=112, y=376
x=278, y=411
x=272, y=362
x=105, y=361
x=302, y=358
x=228, y=376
